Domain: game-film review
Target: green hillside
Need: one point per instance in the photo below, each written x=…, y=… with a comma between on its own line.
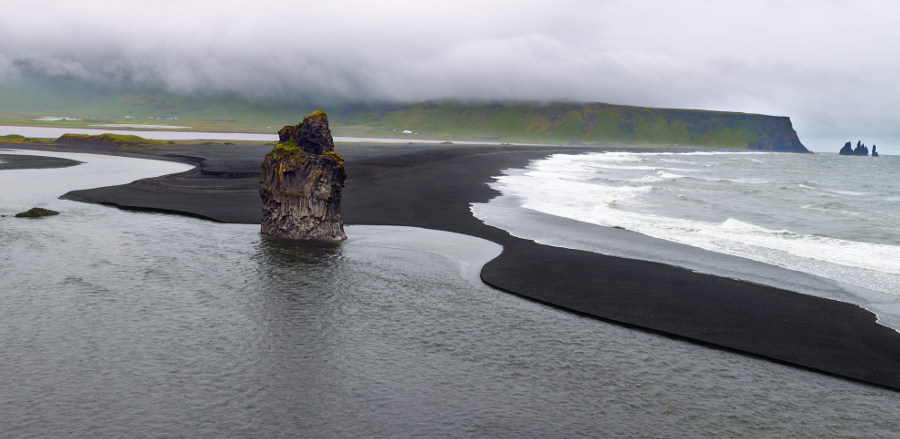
x=27, y=101
x=588, y=123
x=557, y=123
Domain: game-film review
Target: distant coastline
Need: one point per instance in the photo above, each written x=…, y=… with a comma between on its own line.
x=458, y=121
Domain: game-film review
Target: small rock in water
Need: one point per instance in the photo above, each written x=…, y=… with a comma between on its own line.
x=36, y=212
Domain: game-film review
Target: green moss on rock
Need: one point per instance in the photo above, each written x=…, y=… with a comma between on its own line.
x=312, y=134
x=288, y=152
x=334, y=158
x=36, y=212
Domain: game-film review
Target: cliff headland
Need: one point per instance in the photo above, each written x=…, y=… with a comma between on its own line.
x=588, y=123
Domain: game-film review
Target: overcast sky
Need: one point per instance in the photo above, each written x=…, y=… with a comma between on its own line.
x=833, y=66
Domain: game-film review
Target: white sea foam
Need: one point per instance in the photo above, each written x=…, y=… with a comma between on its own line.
x=732, y=206
x=664, y=174
x=648, y=179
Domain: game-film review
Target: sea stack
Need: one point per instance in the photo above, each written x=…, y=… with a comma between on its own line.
x=861, y=149
x=847, y=149
x=301, y=183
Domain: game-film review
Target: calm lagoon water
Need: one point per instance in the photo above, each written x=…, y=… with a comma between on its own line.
x=121, y=324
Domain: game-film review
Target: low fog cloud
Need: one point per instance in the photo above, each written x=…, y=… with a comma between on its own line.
x=830, y=65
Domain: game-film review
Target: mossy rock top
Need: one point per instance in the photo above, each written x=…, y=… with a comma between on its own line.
x=318, y=114
x=290, y=153
x=312, y=135
x=36, y=212
x=287, y=150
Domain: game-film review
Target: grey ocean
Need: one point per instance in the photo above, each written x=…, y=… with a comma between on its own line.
x=119, y=324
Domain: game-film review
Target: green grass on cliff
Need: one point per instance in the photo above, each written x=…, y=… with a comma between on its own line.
x=592, y=123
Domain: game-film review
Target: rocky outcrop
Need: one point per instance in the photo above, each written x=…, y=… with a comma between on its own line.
x=874, y=151
x=847, y=149
x=312, y=135
x=36, y=212
x=773, y=133
x=861, y=149
x=301, y=183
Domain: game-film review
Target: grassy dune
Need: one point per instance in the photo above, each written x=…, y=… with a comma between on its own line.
x=114, y=140
x=15, y=138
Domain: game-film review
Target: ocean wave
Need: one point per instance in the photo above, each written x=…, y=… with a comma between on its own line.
x=831, y=210
x=872, y=266
x=600, y=188
x=668, y=175
x=648, y=179
x=851, y=193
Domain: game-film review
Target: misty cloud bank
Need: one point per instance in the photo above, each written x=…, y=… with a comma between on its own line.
x=827, y=64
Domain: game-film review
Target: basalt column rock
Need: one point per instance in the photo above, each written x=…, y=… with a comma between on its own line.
x=301, y=183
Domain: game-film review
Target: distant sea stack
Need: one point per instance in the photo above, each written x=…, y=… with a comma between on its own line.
x=861, y=149
x=301, y=183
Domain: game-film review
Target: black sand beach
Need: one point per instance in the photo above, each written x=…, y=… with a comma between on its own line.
x=10, y=161
x=433, y=186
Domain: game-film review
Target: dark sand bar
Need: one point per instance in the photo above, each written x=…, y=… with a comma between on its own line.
x=433, y=186
x=15, y=161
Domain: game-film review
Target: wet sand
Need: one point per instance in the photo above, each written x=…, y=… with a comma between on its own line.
x=433, y=186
